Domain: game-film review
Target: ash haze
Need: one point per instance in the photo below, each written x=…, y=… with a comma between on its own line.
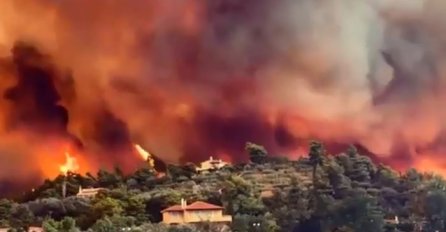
x=187, y=79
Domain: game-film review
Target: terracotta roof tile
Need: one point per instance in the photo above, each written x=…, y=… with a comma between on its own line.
x=198, y=205
x=173, y=208
x=202, y=205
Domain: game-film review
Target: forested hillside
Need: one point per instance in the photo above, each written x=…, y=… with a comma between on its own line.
x=320, y=192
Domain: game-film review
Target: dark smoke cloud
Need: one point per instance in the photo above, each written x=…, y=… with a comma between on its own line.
x=34, y=98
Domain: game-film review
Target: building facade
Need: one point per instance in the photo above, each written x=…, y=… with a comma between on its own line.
x=194, y=213
x=88, y=192
x=211, y=164
x=30, y=229
x=35, y=229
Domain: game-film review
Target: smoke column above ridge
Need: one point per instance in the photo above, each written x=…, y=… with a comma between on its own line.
x=189, y=79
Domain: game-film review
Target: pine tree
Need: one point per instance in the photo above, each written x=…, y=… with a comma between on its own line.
x=316, y=154
x=257, y=153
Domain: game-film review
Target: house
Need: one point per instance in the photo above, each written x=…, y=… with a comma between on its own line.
x=30, y=229
x=88, y=192
x=194, y=213
x=393, y=220
x=211, y=164
x=267, y=193
x=35, y=229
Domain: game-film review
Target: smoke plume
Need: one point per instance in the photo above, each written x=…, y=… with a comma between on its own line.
x=189, y=79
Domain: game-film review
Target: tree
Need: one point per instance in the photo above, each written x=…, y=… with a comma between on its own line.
x=66, y=225
x=50, y=225
x=5, y=212
x=239, y=197
x=436, y=210
x=341, y=185
x=21, y=216
x=47, y=207
x=257, y=153
x=253, y=223
x=136, y=207
x=359, y=168
x=104, y=225
x=316, y=154
x=107, y=207
x=289, y=207
x=81, y=210
x=184, y=172
x=155, y=227
x=144, y=176
x=113, y=224
x=109, y=179
x=75, y=206
x=311, y=224
x=386, y=176
x=359, y=213
x=413, y=176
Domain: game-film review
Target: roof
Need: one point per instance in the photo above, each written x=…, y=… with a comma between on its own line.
x=202, y=205
x=198, y=205
x=173, y=208
x=90, y=190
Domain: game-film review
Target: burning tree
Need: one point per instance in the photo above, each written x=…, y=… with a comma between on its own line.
x=145, y=155
x=70, y=165
x=154, y=164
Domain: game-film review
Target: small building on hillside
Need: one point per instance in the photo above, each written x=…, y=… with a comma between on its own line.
x=194, y=213
x=35, y=229
x=211, y=164
x=392, y=220
x=88, y=192
x=30, y=229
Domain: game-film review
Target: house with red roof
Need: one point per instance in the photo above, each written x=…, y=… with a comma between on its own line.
x=194, y=213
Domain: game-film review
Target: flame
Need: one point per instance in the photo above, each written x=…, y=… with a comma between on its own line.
x=145, y=155
x=70, y=165
x=429, y=165
x=160, y=174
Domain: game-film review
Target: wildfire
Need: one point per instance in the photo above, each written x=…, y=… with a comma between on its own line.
x=70, y=165
x=426, y=164
x=145, y=155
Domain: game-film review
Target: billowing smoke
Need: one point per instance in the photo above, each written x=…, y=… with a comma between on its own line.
x=34, y=98
x=188, y=79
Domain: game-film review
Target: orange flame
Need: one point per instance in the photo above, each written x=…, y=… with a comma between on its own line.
x=70, y=165
x=145, y=155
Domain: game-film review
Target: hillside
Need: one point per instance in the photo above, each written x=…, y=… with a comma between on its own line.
x=320, y=192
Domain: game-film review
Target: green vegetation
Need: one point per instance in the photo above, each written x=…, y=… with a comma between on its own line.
x=318, y=193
